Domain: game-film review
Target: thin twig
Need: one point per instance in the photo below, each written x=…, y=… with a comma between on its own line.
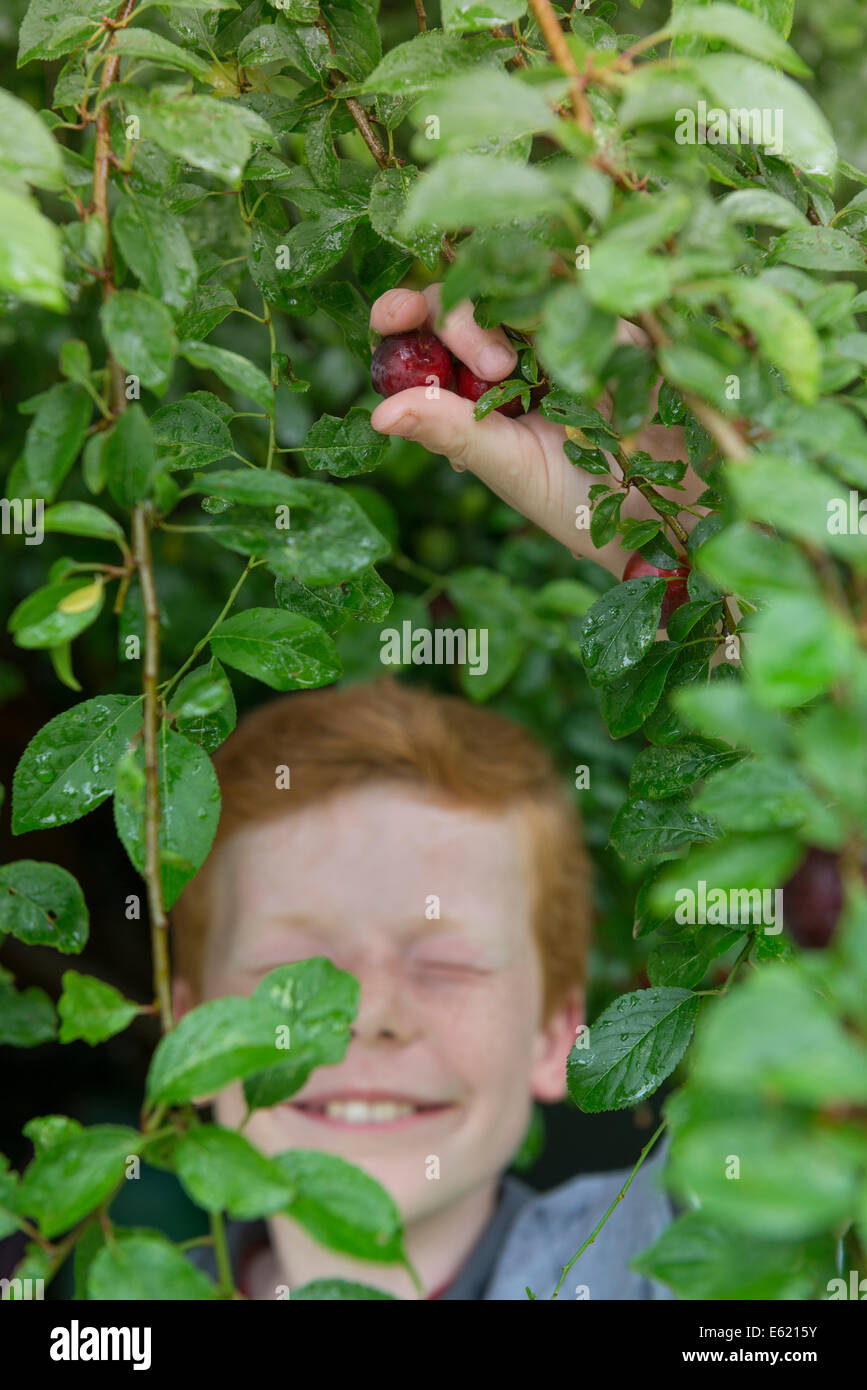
x=420, y=16
x=562, y=55
x=156, y=905
x=621, y=1194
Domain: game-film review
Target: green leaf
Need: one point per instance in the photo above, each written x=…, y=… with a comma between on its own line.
x=237, y=372
x=201, y=695
x=155, y=247
x=796, y=498
x=317, y=1004
x=55, y=436
x=468, y=188
x=793, y=1182
x=129, y=458
x=354, y=34
x=26, y=1020
x=301, y=46
x=305, y=250
x=415, y=67
x=486, y=111
x=284, y=650
x=66, y=1181
x=82, y=519
x=620, y=628
x=626, y=281
x=342, y=1207
x=254, y=487
x=212, y=135
x=388, y=198
x=634, y=1044
x=221, y=1171
x=819, y=248
x=330, y=1290
x=626, y=703
x=606, y=514
x=91, y=1009
x=217, y=1042
x=776, y=1035
x=365, y=599
x=43, y=905
x=144, y=1268
x=704, y=1259
x=798, y=647
x=758, y=794
x=465, y=16
x=31, y=257
x=643, y=828
x=674, y=768
x=69, y=767
x=682, y=964
x=737, y=83
x=56, y=613
x=53, y=27
x=830, y=743
x=763, y=207
x=735, y=26
x=189, y=809
x=746, y=560
x=575, y=339
x=727, y=710
x=140, y=333
x=188, y=435
x=740, y=862
x=784, y=335
x=345, y=445
x=332, y=541
x=28, y=151
x=142, y=43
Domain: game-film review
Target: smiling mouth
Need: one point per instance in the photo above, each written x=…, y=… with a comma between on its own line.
x=379, y=1112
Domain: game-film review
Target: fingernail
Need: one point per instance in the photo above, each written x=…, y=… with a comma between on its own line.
x=494, y=361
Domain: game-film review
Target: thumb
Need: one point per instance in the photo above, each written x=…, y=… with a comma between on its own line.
x=446, y=425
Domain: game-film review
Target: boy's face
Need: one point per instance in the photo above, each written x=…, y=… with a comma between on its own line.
x=448, y=1047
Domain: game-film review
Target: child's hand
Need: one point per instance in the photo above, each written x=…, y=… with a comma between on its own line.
x=521, y=459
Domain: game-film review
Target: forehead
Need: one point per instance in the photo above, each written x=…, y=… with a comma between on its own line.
x=379, y=851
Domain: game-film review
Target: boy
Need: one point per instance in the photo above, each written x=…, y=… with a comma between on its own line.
x=428, y=847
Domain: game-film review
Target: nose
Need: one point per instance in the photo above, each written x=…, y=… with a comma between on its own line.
x=384, y=1013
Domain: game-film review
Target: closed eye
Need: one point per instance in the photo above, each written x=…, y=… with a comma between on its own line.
x=445, y=969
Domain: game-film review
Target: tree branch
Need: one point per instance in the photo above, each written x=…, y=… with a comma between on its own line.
x=102, y=162
x=150, y=681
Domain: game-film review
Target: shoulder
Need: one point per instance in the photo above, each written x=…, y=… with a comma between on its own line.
x=550, y=1227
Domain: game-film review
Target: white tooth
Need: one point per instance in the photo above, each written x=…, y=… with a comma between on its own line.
x=363, y=1112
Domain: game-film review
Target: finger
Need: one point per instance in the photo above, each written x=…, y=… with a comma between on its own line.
x=522, y=462
x=486, y=351
x=398, y=311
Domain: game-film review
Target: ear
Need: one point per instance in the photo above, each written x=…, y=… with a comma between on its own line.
x=183, y=998
x=554, y=1042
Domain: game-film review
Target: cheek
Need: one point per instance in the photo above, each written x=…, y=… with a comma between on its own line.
x=486, y=1034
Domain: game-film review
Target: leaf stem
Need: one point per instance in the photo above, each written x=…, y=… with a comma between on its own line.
x=167, y=685
x=221, y=1249
x=621, y=1194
